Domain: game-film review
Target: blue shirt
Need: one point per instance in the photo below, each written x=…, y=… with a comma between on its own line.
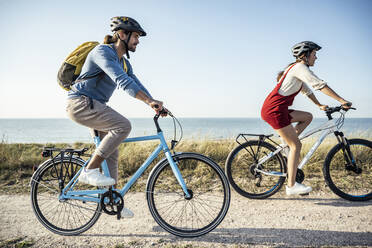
x=102, y=73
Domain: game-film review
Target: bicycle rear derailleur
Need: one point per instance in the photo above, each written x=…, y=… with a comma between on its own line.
x=112, y=203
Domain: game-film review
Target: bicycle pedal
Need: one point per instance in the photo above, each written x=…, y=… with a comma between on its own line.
x=118, y=216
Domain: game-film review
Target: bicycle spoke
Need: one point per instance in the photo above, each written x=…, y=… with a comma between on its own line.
x=352, y=181
x=44, y=185
x=188, y=216
x=66, y=215
x=241, y=169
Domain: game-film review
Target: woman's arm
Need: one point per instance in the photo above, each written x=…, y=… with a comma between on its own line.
x=329, y=92
x=315, y=100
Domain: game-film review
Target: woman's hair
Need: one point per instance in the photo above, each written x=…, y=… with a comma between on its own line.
x=302, y=57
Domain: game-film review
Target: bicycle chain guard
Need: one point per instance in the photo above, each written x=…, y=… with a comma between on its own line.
x=112, y=203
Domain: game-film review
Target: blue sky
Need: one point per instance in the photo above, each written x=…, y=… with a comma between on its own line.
x=202, y=58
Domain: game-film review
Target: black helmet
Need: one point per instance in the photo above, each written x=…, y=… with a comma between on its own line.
x=305, y=46
x=127, y=24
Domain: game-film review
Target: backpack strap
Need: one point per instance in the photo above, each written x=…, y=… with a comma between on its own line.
x=102, y=73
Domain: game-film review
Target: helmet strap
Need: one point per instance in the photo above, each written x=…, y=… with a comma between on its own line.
x=304, y=58
x=307, y=57
x=130, y=34
x=126, y=43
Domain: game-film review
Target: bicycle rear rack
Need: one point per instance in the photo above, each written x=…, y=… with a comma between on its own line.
x=63, y=153
x=48, y=152
x=261, y=137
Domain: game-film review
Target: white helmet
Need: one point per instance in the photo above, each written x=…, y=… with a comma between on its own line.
x=303, y=47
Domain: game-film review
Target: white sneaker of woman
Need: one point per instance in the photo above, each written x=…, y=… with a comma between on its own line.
x=298, y=189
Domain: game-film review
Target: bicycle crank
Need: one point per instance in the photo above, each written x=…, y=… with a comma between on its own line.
x=112, y=203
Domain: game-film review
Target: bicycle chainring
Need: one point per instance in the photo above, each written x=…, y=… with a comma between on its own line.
x=300, y=176
x=112, y=202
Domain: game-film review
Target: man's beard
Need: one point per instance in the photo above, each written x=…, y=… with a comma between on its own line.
x=132, y=48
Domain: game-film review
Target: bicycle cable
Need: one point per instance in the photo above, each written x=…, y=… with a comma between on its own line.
x=340, y=121
x=174, y=141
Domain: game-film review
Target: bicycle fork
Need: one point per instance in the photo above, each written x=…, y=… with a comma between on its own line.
x=178, y=175
x=348, y=156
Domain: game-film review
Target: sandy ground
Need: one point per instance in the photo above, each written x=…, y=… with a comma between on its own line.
x=312, y=221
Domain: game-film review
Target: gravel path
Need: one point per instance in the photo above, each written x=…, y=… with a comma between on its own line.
x=280, y=221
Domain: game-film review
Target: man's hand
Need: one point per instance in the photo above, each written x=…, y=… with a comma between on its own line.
x=158, y=106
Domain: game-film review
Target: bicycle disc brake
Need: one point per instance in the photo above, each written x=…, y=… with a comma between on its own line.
x=112, y=203
x=300, y=176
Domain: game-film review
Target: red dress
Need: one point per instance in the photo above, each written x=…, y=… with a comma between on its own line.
x=275, y=108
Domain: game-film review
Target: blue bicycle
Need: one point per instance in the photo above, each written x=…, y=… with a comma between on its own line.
x=188, y=194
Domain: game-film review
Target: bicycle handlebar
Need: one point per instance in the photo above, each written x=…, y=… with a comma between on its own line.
x=332, y=110
x=156, y=117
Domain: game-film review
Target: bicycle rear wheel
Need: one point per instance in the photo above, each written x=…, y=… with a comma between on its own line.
x=241, y=165
x=64, y=217
x=208, y=186
x=350, y=181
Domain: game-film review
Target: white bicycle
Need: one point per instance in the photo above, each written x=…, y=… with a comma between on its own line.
x=257, y=169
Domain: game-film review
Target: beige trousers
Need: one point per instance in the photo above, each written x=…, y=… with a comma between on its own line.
x=112, y=127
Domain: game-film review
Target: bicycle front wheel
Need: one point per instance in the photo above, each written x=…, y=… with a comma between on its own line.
x=207, y=185
x=242, y=170
x=349, y=175
x=64, y=217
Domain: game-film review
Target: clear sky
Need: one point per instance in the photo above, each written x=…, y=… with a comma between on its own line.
x=203, y=58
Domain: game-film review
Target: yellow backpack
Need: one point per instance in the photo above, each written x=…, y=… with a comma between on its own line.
x=71, y=67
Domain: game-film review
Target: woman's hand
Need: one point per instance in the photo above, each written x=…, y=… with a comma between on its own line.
x=323, y=107
x=346, y=104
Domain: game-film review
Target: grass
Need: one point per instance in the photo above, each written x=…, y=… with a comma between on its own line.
x=16, y=243
x=17, y=161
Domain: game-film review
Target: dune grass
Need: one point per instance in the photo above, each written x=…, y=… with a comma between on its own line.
x=18, y=161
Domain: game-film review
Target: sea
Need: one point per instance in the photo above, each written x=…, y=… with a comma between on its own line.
x=66, y=131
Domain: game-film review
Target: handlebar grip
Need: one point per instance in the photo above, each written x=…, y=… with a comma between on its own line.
x=347, y=104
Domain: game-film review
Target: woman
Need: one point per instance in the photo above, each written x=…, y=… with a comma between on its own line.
x=104, y=70
x=291, y=81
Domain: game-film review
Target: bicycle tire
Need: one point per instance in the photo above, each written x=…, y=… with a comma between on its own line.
x=200, y=214
x=240, y=165
x=69, y=217
x=345, y=183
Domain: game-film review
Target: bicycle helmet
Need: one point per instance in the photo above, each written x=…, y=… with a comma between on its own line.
x=127, y=24
x=304, y=47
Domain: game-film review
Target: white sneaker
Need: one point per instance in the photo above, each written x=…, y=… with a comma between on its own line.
x=95, y=178
x=298, y=189
x=126, y=213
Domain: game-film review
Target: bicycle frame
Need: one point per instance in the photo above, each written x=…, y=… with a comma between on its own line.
x=329, y=127
x=92, y=195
